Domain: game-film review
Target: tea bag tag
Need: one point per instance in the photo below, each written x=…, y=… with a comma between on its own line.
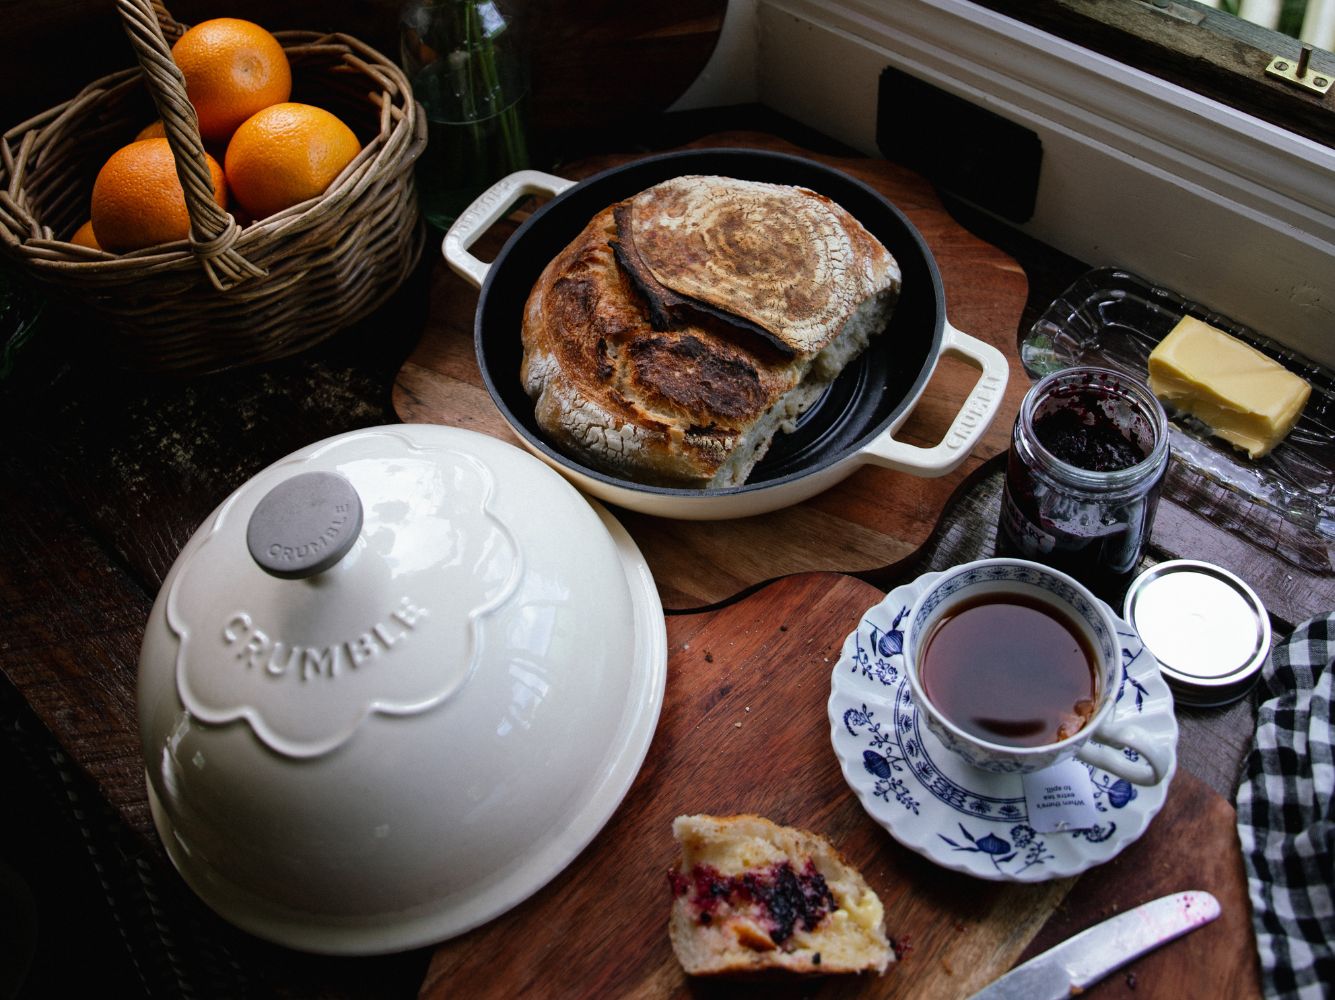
x=1061, y=798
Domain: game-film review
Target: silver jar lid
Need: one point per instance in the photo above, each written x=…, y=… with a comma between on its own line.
x=1206, y=627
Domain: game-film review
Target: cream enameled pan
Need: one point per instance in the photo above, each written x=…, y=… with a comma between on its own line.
x=852, y=425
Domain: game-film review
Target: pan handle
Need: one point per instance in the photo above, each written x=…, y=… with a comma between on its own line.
x=485, y=211
x=970, y=423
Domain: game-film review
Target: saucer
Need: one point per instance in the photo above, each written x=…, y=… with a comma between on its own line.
x=959, y=817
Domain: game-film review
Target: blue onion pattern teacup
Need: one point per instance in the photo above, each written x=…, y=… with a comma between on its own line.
x=1119, y=746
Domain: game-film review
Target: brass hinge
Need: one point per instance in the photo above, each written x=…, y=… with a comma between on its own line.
x=1298, y=73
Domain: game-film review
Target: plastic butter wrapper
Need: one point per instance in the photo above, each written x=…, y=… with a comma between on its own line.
x=1243, y=396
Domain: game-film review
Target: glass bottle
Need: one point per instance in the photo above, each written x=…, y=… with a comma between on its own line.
x=469, y=73
x=1087, y=459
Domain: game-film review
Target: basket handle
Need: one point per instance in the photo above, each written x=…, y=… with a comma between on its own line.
x=172, y=29
x=212, y=230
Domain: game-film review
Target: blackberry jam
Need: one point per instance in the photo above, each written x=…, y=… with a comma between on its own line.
x=780, y=895
x=1088, y=455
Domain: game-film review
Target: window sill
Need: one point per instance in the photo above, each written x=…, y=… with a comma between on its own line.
x=1215, y=54
x=1136, y=172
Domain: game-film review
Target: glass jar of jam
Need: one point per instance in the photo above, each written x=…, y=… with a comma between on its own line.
x=1088, y=455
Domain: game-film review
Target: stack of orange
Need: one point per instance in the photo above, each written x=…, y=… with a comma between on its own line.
x=277, y=153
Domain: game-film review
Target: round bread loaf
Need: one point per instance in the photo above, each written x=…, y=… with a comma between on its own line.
x=684, y=327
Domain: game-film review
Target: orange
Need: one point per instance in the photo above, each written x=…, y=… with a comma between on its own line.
x=137, y=198
x=84, y=237
x=232, y=69
x=157, y=130
x=285, y=154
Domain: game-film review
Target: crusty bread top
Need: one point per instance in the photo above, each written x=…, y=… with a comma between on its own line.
x=610, y=387
x=785, y=258
x=671, y=338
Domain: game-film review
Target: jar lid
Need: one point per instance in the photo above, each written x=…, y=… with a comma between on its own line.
x=1206, y=627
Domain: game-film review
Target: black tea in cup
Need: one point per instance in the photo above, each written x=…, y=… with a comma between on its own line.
x=1010, y=670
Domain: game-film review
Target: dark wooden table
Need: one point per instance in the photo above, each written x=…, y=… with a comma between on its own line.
x=104, y=475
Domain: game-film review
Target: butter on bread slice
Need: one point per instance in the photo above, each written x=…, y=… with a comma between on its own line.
x=1244, y=397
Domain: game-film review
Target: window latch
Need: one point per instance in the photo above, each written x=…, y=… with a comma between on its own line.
x=1298, y=73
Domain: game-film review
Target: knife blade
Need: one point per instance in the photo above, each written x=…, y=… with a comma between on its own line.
x=1082, y=960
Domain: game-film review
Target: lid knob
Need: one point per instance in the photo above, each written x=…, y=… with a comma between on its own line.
x=304, y=525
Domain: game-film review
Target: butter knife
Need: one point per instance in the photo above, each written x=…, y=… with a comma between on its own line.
x=1080, y=961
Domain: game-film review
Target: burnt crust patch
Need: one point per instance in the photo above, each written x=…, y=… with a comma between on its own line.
x=684, y=371
x=659, y=300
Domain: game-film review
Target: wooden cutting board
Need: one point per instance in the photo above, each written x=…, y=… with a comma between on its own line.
x=744, y=729
x=874, y=519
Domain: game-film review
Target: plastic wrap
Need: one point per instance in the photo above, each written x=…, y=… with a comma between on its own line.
x=1284, y=501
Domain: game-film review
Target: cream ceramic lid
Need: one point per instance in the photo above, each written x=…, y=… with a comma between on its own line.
x=392, y=686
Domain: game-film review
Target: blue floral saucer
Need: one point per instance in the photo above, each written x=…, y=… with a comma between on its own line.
x=961, y=818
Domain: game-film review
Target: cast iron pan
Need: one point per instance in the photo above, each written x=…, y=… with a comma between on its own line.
x=872, y=391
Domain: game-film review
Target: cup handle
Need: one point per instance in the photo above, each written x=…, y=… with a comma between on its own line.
x=1154, y=759
x=485, y=211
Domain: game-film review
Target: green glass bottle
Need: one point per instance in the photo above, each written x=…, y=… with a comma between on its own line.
x=469, y=73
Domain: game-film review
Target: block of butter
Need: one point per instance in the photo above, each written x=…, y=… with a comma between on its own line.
x=1243, y=396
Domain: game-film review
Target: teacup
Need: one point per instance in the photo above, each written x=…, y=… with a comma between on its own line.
x=1073, y=612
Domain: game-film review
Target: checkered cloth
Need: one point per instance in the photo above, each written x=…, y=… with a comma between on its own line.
x=1286, y=816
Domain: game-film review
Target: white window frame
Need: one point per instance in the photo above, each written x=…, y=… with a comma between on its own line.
x=1220, y=206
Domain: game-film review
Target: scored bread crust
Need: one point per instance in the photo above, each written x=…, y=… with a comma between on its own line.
x=640, y=366
x=785, y=258
x=849, y=939
x=663, y=407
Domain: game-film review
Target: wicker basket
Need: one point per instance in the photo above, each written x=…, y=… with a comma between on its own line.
x=227, y=296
